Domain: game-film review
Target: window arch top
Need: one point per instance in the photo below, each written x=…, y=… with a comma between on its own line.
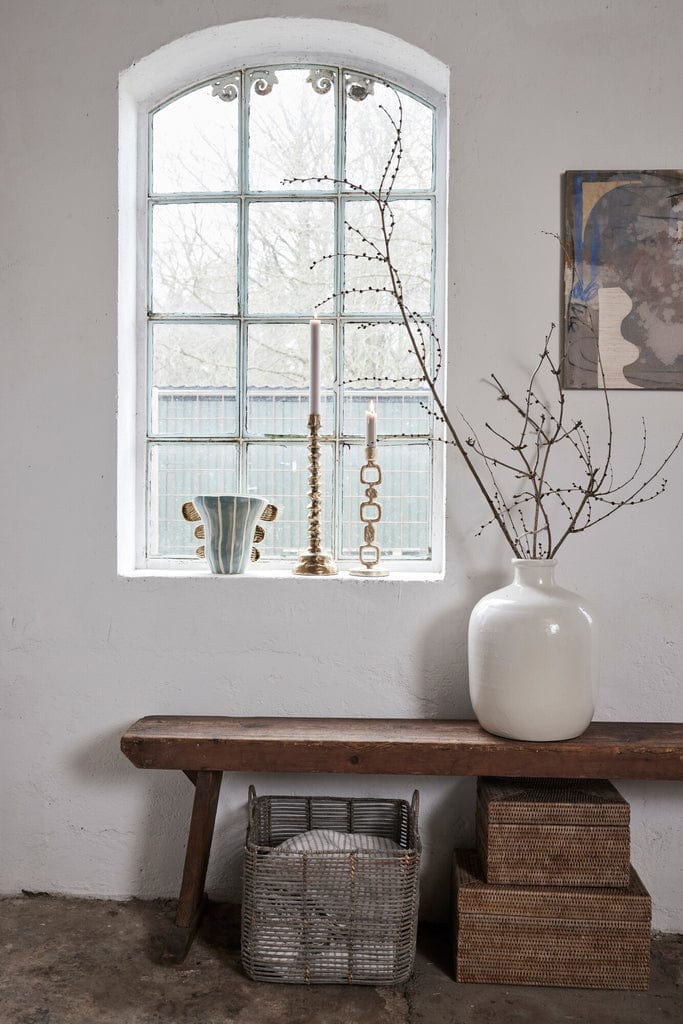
x=264, y=41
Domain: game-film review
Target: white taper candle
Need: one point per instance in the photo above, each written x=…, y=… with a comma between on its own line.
x=314, y=393
x=371, y=425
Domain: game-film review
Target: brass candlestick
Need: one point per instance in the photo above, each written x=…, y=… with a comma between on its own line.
x=314, y=562
x=370, y=514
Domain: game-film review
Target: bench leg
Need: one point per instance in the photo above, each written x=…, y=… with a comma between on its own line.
x=191, y=900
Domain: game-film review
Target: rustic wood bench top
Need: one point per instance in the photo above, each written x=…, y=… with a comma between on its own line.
x=203, y=747
x=389, y=746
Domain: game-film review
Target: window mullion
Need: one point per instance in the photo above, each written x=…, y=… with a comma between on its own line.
x=148, y=343
x=242, y=278
x=337, y=475
x=340, y=160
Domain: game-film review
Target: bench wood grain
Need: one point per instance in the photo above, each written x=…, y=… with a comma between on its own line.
x=387, y=746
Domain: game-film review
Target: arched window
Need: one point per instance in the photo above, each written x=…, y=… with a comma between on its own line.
x=247, y=225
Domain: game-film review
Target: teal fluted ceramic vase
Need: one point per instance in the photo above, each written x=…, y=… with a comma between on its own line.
x=231, y=527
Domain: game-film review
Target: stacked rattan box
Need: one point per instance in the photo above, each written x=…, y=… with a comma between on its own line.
x=549, y=897
x=315, y=915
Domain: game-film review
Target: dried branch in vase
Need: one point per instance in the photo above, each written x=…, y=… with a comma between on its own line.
x=535, y=513
x=540, y=513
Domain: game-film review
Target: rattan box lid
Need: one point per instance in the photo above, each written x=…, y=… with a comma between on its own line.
x=560, y=903
x=552, y=802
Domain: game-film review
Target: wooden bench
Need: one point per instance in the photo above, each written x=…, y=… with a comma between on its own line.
x=204, y=747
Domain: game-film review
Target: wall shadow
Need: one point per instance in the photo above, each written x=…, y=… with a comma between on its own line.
x=165, y=797
x=442, y=651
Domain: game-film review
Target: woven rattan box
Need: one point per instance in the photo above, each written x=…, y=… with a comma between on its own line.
x=334, y=916
x=561, y=935
x=553, y=832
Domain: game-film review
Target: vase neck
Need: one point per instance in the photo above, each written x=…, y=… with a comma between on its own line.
x=534, y=572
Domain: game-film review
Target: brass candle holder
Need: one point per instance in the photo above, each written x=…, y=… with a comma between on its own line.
x=314, y=562
x=370, y=514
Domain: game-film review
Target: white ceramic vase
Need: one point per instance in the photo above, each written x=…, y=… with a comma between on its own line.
x=533, y=657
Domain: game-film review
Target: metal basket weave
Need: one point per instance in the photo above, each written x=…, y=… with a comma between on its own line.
x=322, y=916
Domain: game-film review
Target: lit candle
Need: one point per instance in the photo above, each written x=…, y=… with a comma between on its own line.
x=371, y=425
x=314, y=393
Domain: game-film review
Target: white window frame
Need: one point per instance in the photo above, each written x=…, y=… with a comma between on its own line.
x=173, y=70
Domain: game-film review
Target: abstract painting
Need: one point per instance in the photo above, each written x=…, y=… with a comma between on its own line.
x=623, y=280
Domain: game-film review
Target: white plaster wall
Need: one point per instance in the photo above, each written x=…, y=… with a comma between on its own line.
x=538, y=86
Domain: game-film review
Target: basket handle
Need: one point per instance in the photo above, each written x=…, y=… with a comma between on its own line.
x=251, y=803
x=415, y=807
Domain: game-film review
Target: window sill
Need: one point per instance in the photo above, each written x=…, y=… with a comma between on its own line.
x=395, y=576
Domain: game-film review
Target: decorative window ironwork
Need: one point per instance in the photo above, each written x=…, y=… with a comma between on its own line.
x=252, y=229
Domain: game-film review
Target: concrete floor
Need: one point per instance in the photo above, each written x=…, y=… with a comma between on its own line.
x=70, y=961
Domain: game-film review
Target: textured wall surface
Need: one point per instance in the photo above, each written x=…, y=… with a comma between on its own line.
x=537, y=87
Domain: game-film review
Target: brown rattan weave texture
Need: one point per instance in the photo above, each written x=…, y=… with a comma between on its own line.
x=336, y=917
x=553, y=935
x=553, y=832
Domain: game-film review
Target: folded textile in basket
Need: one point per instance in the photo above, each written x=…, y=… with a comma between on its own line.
x=323, y=936
x=327, y=840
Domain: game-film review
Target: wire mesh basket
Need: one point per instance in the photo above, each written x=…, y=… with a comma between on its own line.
x=330, y=889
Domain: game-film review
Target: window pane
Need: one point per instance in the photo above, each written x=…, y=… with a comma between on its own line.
x=379, y=363
x=194, y=144
x=177, y=472
x=278, y=376
x=194, y=379
x=284, y=240
x=291, y=133
x=411, y=255
x=279, y=472
x=370, y=137
x=405, y=497
x=194, y=261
